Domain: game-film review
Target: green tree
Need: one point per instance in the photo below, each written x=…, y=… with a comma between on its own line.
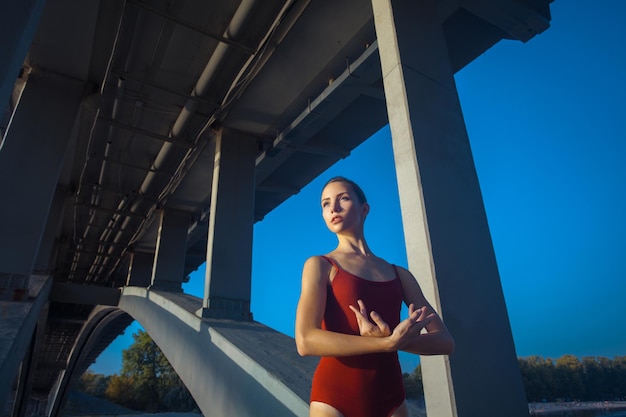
x=569, y=377
x=122, y=390
x=92, y=383
x=597, y=375
x=538, y=378
x=619, y=377
x=144, y=362
x=147, y=381
x=413, y=383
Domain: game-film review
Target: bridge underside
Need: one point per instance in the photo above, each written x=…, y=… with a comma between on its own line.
x=134, y=127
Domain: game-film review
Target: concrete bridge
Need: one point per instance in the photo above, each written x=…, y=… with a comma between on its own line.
x=144, y=138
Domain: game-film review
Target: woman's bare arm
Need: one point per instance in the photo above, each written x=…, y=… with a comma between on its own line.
x=437, y=340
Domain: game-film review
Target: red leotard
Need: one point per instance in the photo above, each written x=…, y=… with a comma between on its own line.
x=367, y=385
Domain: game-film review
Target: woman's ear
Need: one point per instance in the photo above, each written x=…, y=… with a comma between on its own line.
x=365, y=210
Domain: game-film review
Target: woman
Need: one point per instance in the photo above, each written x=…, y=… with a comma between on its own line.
x=359, y=374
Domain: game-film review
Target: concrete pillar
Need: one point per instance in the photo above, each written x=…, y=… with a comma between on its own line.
x=140, y=271
x=26, y=373
x=227, y=283
x=18, y=24
x=31, y=158
x=168, y=271
x=17, y=327
x=447, y=237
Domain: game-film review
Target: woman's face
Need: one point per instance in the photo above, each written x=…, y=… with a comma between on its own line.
x=341, y=208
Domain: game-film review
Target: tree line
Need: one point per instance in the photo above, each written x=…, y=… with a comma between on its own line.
x=570, y=378
x=147, y=382
x=567, y=378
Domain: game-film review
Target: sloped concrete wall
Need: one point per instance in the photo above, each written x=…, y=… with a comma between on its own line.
x=231, y=368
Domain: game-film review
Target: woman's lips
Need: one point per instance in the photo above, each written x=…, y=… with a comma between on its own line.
x=336, y=219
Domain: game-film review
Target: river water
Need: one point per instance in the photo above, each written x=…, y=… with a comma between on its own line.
x=586, y=413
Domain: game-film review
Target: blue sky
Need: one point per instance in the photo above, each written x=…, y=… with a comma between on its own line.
x=547, y=127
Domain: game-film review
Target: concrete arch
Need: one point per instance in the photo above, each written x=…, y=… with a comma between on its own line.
x=99, y=321
x=230, y=367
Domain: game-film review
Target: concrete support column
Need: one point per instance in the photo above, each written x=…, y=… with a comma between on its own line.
x=31, y=158
x=27, y=368
x=227, y=284
x=140, y=271
x=448, y=242
x=18, y=325
x=168, y=270
x=18, y=23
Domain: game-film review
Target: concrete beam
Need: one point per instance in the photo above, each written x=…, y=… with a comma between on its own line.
x=18, y=24
x=84, y=294
x=32, y=155
x=515, y=18
x=448, y=243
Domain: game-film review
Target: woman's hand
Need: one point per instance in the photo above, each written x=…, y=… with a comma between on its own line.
x=375, y=328
x=411, y=326
x=401, y=335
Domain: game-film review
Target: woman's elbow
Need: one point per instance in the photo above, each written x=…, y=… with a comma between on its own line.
x=448, y=347
x=301, y=345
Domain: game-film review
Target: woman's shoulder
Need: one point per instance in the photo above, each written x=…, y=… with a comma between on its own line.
x=317, y=269
x=320, y=262
x=401, y=271
x=407, y=278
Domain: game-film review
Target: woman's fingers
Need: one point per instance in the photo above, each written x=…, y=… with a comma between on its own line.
x=356, y=312
x=425, y=322
x=359, y=316
x=361, y=312
x=376, y=327
x=380, y=323
x=417, y=319
x=372, y=324
x=421, y=314
x=362, y=307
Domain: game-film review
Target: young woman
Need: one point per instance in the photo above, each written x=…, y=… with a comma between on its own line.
x=349, y=314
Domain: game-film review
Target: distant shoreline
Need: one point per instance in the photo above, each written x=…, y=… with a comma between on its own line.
x=417, y=408
x=542, y=408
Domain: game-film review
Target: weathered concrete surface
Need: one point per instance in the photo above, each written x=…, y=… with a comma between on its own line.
x=17, y=325
x=231, y=368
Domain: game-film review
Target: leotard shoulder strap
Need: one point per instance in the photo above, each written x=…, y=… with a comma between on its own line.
x=331, y=261
x=395, y=268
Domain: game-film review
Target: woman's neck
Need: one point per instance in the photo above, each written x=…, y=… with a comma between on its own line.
x=353, y=245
